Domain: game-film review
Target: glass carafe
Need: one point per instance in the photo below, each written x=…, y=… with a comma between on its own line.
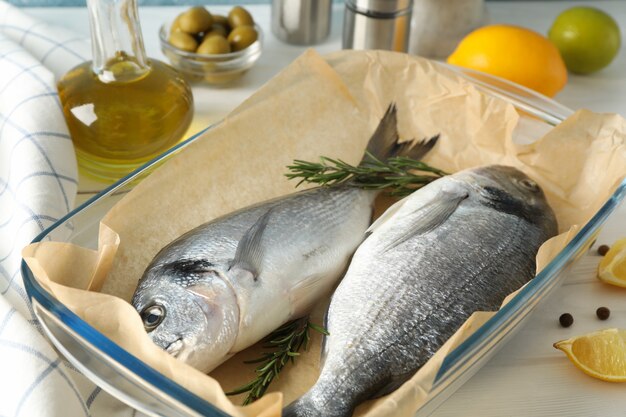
x=122, y=109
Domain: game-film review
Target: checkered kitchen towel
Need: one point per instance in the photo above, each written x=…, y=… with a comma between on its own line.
x=38, y=182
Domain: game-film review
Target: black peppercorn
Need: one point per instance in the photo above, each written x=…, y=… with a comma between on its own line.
x=603, y=249
x=603, y=313
x=566, y=319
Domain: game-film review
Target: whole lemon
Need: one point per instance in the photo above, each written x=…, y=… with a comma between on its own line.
x=515, y=53
x=587, y=37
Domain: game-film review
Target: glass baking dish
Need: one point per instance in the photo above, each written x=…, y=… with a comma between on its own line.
x=132, y=381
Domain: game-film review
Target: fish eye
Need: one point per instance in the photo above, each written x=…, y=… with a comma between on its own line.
x=152, y=316
x=529, y=184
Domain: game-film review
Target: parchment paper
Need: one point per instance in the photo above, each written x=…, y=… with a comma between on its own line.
x=317, y=107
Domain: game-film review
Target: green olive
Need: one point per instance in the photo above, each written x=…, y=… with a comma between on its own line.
x=239, y=16
x=175, y=25
x=215, y=44
x=241, y=37
x=195, y=20
x=217, y=29
x=221, y=20
x=184, y=41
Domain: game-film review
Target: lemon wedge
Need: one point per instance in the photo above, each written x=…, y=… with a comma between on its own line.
x=601, y=354
x=612, y=268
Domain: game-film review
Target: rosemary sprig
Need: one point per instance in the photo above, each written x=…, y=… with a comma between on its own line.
x=284, y=344
x=399, y=174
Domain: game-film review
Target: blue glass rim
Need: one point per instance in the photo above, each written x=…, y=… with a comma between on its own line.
x=88, y=332
x=457, y=358
x=453, y=361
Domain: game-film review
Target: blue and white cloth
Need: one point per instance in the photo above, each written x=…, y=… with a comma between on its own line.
x=38, y=182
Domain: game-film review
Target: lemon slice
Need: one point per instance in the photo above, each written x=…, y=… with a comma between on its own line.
x=601, y=354
x=612, y=268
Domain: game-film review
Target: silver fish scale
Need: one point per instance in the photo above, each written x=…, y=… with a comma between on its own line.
x=217, y=238
x=304, y=247
x=312, y=224
x=225, y=285
x=319, y=210
x=394, y=309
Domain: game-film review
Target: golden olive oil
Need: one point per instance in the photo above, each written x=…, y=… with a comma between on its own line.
x=120, y=124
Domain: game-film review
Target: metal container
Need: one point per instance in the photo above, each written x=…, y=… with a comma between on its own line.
x=377, y=24
x=301, y=22
x=438, y=26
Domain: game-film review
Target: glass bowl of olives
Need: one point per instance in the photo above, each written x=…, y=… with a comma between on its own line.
x=211, y=48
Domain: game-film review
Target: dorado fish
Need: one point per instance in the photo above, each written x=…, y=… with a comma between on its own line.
x=458, y=245
x=225, y=285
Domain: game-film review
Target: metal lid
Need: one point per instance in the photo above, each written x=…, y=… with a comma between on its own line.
x=392, y=7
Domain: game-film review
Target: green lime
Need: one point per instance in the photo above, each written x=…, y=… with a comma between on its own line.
x=587, y=38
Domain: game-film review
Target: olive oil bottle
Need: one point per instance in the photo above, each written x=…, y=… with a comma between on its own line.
x=122, y=109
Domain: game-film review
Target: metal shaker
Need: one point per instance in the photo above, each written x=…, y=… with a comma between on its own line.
x=301, y=22
x=377, y=24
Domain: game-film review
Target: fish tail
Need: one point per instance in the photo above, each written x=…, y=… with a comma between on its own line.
x=384, y=142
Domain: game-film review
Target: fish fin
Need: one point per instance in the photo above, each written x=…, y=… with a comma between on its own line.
x=385, y=138
x=324, y=348
x=249, y=253
x=384, y=142
x=393, y=209
x=430, y=216
x=300, y=295
x=416, y=149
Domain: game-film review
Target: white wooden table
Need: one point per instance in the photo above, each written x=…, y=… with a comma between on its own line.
x=528, y=377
